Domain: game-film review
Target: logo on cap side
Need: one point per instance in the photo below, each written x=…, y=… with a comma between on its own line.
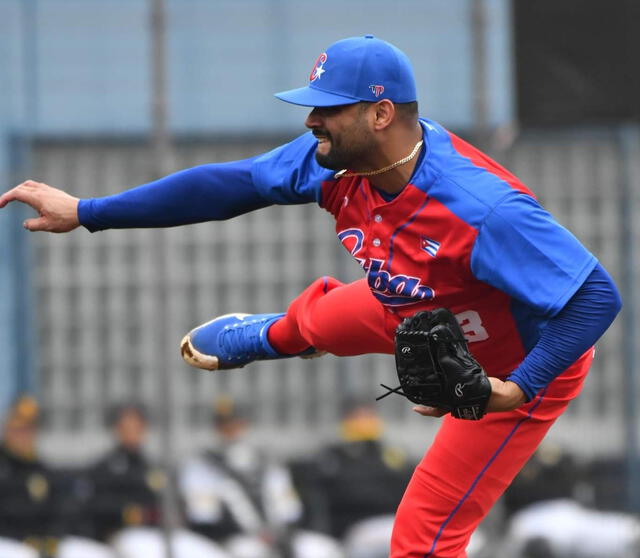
x=377, y=90
x=318, y=70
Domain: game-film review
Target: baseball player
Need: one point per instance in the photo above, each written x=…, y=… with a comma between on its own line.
x=434, y=223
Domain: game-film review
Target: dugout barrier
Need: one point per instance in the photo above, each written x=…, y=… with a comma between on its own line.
x=96, y=307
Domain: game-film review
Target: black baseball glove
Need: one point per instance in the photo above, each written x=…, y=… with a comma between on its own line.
x=435, y=367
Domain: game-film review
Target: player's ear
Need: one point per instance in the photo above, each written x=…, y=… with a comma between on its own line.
x=385, y=113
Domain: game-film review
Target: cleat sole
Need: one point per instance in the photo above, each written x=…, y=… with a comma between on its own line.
x=195, y=358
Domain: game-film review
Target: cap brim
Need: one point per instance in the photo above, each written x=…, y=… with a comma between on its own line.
x=311, y=97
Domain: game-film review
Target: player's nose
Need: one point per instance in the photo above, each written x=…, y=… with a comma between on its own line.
x=313, y=119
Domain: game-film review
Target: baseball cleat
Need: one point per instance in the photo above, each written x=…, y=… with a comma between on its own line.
x=232, y=341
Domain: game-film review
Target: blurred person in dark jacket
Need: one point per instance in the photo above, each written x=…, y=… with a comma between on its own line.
x=354, y=485
x=29, y=495
x=123, y=486
x=240, y=495
x=361, y=475
x=552, y=473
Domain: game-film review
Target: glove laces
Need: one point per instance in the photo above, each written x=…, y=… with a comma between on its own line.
x=397, y=390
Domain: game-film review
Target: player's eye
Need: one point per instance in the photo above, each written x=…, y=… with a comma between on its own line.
x=325, y=112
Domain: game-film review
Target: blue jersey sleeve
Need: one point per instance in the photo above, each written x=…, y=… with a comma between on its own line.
x=286, y=175
x=521, y=250
x=290, y=174
x=581, y=322
x=203, y=193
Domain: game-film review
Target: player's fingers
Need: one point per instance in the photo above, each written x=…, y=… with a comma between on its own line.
x=7, y=197
x=25, y=192
x=37, y=224
x=429, y=411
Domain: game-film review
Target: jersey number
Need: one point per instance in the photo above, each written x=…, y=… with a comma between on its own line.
x=471, y=325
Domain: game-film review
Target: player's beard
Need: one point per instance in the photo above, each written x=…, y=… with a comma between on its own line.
x=347, y=150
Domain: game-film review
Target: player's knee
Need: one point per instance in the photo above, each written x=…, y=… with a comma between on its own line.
x=315, y=336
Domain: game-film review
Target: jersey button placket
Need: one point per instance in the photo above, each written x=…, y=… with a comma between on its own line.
x=376, y=230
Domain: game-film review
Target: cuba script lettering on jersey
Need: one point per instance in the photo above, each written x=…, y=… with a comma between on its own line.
x=391, y=290
x=395, y=290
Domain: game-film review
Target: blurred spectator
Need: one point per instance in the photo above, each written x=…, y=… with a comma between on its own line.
x=546, y=520
x=28, y=488
x=239, y=495
x=123, y=487
x=565, y=529
x=359, y=478
x=607, y=479
x=550, y=474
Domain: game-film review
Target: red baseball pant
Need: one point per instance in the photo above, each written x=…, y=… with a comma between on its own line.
x=469, y=464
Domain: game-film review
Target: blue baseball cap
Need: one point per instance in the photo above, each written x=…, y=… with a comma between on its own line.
x=356, y=69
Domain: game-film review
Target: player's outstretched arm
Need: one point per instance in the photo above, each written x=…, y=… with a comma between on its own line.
x=57, y=210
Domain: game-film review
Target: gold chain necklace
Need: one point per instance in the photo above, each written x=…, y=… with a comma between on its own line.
x=345, y=174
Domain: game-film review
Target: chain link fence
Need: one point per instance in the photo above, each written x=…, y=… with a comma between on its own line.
x=96, y=306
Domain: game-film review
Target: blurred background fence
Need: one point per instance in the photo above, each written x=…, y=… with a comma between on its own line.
x=96, y=306
x=79, y=311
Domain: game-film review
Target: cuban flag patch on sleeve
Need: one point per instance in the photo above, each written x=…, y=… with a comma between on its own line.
x=429, y=245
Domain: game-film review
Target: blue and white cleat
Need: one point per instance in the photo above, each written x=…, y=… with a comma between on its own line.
x=232, y=341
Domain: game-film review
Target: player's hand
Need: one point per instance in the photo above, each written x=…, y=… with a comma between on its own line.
x=505, y=396
x=57, y=210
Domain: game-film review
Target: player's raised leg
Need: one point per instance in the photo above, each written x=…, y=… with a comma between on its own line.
x=468, y=467
x=328, y=316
